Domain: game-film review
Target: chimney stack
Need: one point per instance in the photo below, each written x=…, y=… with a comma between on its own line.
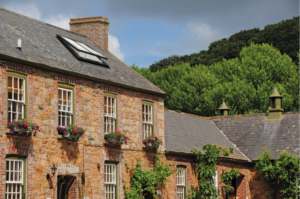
x=95, y=28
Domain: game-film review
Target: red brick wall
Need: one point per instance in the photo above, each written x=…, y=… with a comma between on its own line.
x=95, y=28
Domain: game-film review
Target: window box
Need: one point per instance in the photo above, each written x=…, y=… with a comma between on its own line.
x=23, y=127
x=152, y=142
x=116, y=138
x=70, y=132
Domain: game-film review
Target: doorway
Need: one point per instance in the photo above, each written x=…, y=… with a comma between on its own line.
x=64, y=183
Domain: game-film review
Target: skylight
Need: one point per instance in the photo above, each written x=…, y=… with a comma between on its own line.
x=82, y=51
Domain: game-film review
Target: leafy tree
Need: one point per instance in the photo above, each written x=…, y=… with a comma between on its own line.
x=245, y=83
x=146, y=180
x=281, y=174
x=283, y=36
x=206, y=169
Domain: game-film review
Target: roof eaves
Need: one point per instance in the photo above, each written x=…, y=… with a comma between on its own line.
x=43, y=66
x=137, y=72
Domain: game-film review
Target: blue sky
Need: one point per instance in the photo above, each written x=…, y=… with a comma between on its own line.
x=143, y=32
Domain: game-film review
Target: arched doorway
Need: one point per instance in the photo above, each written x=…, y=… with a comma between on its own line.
x=70, y=186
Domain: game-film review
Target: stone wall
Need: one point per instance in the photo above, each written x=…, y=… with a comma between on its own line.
x=89, y=152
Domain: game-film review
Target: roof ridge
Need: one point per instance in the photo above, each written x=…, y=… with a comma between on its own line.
x=254, y=114
x=188, y=114
x=39, y=21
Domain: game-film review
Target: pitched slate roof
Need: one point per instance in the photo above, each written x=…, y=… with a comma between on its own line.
x=184, y=132
x=41, y=47
x=251, y=133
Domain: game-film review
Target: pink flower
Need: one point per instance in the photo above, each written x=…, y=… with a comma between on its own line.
x=74, y=125
x=118, y=131
x=150, y=135
x=144, y=141
x=76, y=131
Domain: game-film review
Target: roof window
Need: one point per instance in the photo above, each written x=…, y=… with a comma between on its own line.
x=83, y=52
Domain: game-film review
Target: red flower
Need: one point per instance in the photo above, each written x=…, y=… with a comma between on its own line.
x=76, y=131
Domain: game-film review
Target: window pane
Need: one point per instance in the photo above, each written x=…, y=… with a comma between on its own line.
x=74, y=44
x=15, y=83
x=9, y=82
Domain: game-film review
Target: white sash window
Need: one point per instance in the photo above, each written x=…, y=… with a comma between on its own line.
x=16, y=98
x=215, y=182
x=180, y=183
x=110, y=172
x=109, y=114
x=65, y=106
x=14, y=179
x=147, y=120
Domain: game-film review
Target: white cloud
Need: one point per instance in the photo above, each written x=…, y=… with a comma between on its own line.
x=32, y=11
x=60, y=21
x=29, y=10
x=201, y=31
x=193, y=38
x=114, y=46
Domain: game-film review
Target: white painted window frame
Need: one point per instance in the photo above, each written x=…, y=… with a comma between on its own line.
x=147, y=123
x=181, y=182
x=14, y=186
x=17, y=101
x=68, y=114
x=110, y=180
x=215, y=182
x=110, y=118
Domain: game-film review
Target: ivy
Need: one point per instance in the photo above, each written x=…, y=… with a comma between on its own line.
x=145, y=181
x=206, y=168
x=227, y=177
x=281, y=174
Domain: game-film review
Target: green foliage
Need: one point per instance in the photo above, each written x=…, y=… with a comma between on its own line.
x=228, y=176
x=206, y=169
x=244, y=83
x=146, y=180
x=281, y=174
x=284, y=36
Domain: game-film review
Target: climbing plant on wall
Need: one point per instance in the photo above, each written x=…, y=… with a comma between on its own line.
x=282, y=174
x=227, y=177
x=145, y=181
x=206, y=168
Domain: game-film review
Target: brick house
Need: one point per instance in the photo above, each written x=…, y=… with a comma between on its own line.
x=56, y=77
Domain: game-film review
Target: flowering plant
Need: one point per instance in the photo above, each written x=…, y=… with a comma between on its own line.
x=23, y=126
x=152, y=142
x=116, y=137
x=71, y=131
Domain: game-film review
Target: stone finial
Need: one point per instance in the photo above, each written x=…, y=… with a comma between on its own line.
x=275, y=108
x=224, y=110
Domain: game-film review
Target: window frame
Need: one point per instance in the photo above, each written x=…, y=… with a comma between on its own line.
x=153, y=129
x=185, y=180
x=70, y=87
x=106, y=94
x=116, y=177
x=216, y=182
x=21, y=76
x=24, y=159
x=73, y=51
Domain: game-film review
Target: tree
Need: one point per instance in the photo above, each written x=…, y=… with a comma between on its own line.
x=283, y=35
x=244, y=83
x=282, y=174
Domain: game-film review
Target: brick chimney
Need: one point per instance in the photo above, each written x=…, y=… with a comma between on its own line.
x=95, y=28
